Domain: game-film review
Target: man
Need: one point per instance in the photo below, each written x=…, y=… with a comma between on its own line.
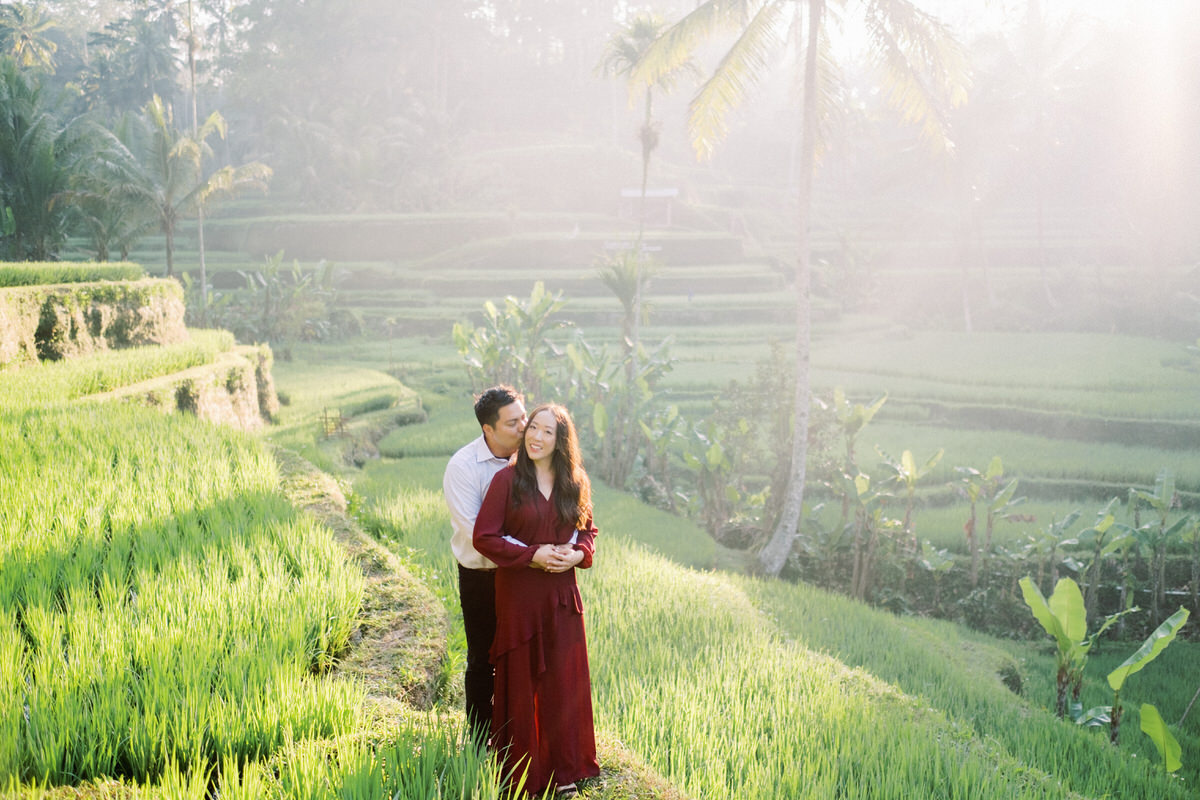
x=501, y=414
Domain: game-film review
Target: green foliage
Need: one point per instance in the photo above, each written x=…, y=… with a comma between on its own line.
x=279, y=305
x=739, y=456
x=953, y=669
x=1159, y=533
x=513, y=345
x=1150, y=649
x=707, y=641
x=38, y=156
x=160, y=170
x=612, y=396
x=1065, y=619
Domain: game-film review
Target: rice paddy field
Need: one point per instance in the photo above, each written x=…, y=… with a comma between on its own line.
x=162, y=605
x=170, y=625
x=736, y=687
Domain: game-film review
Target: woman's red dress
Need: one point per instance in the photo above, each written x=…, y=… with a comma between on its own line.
x=542, y=712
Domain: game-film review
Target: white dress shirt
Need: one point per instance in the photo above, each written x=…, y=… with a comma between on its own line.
x=466, y=481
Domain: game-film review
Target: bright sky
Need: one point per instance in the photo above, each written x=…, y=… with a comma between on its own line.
x=990, y=14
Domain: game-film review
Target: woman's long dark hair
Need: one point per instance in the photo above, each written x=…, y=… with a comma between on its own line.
x=572, y=489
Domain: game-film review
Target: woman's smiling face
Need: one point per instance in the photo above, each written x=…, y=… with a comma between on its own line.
x=541, y=433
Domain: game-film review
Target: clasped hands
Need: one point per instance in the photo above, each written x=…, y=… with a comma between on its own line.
x=556, y=557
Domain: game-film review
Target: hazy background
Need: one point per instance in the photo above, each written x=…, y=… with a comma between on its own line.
x=1074, y=156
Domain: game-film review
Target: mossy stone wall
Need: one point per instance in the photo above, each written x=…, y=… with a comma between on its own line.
x=236, y=390
x=68, y=320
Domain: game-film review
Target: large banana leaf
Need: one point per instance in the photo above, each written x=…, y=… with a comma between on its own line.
x=1149, y=650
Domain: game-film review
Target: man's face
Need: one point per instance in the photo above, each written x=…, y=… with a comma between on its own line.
x=504, y=437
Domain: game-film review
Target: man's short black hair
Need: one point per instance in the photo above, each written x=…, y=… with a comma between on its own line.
x=488, y=404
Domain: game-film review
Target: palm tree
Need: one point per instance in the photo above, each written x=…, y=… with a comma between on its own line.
x=920, y=63
x=1042, y=80
x=626, y=275
x=38, y=155
x=623, y=57
x=135, y=60
x=112, y=216
x=24, y=28
x=169, y=176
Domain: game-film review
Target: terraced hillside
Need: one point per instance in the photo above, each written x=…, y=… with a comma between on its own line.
x=724, y=298
x=187, y=612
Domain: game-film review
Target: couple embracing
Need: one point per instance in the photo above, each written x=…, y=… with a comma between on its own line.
x=521, y=513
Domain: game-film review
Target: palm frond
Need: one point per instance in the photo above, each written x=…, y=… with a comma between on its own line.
x=924, y=69
x=229, y=181
x=833, y=106
x=674, y=47
x=741, y=66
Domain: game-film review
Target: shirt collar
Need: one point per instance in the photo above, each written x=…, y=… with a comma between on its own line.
x=484, y=453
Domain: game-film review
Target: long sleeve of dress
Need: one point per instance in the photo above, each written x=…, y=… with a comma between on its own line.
x=491, y=530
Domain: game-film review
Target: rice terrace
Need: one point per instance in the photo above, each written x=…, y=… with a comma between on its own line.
x=879, y=324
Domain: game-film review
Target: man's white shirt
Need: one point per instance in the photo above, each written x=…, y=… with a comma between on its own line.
x=467, y=478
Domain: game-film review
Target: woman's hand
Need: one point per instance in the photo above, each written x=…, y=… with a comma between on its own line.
x=556, y=557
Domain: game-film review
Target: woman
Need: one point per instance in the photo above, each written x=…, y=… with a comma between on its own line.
x=536, y=524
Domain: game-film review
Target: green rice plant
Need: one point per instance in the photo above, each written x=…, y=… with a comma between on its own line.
x=425, y=757
x=414, y=523
x=29, y=274
x=998, y=360
x=166, y=605
x=411, y=441
x=787, y=722
x=247, y=780
x=55, y=382
x=688, y=672
x=1039, y=459
x=958, y=672
x=314, y=386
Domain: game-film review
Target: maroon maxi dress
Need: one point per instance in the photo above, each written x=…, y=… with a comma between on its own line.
x=542, y=712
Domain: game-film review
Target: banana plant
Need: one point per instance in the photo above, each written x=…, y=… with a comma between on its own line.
x=663, y=431
x=937, y=562
x=712, y=468
x=1155, y=643
x=826, y=545
x=1158, y=533
x=1105, y=538
x=851, y=419
x=1044, y=547
x=611, y=403
x=1001, y=500
x=1193, y=536
x=998, y=499
x=513, y=345
x=905, y=474
x=869, y=525
x=1064, y=618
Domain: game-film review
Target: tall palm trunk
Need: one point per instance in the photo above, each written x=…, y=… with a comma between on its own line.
x=775, y=554
x=200, y=205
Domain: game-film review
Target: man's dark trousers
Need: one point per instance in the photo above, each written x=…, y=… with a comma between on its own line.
x=477, y=593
